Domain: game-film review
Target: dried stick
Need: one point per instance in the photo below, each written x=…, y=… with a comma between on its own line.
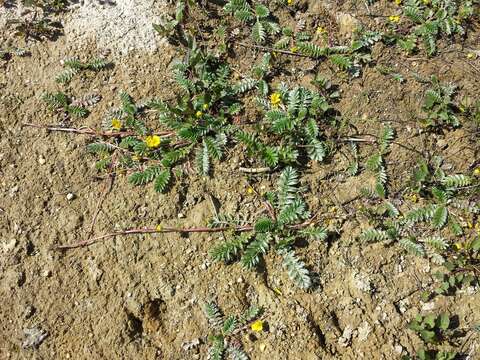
x=161, y=230
x=166, y=229
x=254, y=170
x=93, y=132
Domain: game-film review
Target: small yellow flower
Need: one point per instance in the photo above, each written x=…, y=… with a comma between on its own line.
x=257, y=326
x=205, y=106
x=250, y=190
x=398, y=2
x=458, y=246
x=320, y=30
x=159, y=227
x=198, y=114
x=153, y=141
x=116, y=124
x=394, y=18
x=289, y=2
x=412, y=197
x=275, y=99
x=471, y=56
x=426, y=2
x=294, y=49
x=476, y=172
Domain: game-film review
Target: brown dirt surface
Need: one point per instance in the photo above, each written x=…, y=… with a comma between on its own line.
x=141, y=296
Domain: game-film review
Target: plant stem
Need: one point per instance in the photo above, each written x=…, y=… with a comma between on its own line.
x=93, y=132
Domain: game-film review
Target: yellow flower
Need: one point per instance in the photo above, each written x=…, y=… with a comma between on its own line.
x=394, y=18
x=250, y=190
x=257, y=326
x=198, y=114
x=289, y=2
x=116, y=124
x=159, y=227
x=471, y=56
x=426, y=2
x=476, y=172
x=398, y=2
x=275, y=99
x=458, y=246
x=294, y=49
x=205, y=106
x=320, y=30
x=153, y=141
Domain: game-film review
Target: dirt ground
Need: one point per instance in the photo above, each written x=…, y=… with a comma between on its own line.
x=140, y=297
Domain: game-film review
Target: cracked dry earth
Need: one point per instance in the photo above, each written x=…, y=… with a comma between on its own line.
x=140, y=297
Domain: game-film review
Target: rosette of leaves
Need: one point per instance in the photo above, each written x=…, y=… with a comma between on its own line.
x=279, y=232
x=256, y=15
x=430, y=20
x=419, y=230
x=225, y=339
x=290, y=131
x=439, y=105
x=202, y=113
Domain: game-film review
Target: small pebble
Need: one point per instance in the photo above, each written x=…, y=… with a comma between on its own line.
x=70, y=196
x=41, y=160
x=181, y=215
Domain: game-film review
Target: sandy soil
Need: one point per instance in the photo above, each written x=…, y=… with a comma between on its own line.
x=140, y=297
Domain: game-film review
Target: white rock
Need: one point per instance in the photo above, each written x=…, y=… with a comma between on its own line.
x=70, y=196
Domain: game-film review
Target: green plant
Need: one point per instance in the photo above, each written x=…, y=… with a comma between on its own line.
x=376, y=164
x=171, y=25
x=60, y=102
x=462, y=269
x=227, y=331
x=346, y=58
x=132, y=146
x=202, y=115
x=7, y=52
x=431, y=20
x=290, y=128
x=439, y=105
x=433, y=330
x=256, y=14
x=35, y=28
x=74, y=66
x=418, y=230
x=280, y=230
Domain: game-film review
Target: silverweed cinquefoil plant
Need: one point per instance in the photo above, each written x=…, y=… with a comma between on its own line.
x=288, y=221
